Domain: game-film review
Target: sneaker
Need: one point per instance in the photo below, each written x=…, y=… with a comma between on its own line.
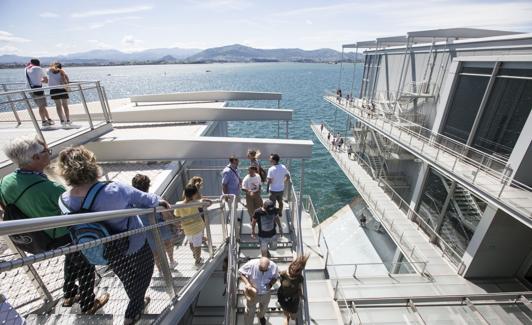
x=68, y=122
x=64, y=123
x=51, y=122
x=262, y=321
x=46, y=123
x=200, y=261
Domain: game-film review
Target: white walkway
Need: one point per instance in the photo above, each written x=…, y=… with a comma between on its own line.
x=488, y=183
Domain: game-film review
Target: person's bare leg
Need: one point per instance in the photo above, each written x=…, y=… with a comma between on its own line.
x=59, y=110
x=287, y=317
x=169, y=246
x=64, y=102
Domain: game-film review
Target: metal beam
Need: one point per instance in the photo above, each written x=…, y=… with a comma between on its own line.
x=208, y=96
x=195, y=148
x=184, y=114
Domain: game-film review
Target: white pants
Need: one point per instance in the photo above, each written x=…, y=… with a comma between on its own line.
x=251, y=307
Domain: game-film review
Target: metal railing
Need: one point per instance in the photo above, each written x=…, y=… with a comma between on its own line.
x=388, y=221
x=473, y=161
x=88, y=106
x=391, y=267
x=471, y=308
x=32, y=283
x=296, y=210
x=232, y=265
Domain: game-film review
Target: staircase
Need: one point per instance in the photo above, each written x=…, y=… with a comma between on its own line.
x=465, y=205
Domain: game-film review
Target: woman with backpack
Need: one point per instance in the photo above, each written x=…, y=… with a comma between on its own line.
x=131, y=258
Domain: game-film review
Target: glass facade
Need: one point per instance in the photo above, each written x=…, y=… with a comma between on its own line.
x=464, y=107
x=506, y=112
x=459, y=219
x=507, y=108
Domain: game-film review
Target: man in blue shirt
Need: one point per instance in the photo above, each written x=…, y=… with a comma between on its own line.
x=231, y=181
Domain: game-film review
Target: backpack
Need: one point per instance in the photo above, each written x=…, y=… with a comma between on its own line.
x=83, y=233
x=262, y=174
x=32, y=242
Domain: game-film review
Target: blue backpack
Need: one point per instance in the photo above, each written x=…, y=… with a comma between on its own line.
x=84, y=233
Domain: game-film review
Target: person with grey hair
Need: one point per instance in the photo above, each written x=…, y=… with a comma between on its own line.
x=30, y=190
x=258, y=276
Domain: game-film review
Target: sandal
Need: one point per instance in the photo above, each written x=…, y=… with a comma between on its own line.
x=69, y=302
x=98, y=303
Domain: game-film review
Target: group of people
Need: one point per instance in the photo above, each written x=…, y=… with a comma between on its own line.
x=133, y=258
x=260, y=275
x=35, y=76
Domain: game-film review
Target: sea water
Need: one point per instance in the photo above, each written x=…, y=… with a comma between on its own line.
x=302, y=86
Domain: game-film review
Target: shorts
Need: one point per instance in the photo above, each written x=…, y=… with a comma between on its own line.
x=58, y=94
x=38, y=98
x=196, y=240
x=268, y=241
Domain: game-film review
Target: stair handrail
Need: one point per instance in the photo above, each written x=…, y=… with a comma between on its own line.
x=232, y=263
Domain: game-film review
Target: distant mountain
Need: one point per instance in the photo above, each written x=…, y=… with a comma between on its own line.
x=241, y=53
x=231, y=53
x=103, y=56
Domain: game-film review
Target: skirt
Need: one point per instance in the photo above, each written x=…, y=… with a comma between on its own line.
x=288, y=303
x=58, y=94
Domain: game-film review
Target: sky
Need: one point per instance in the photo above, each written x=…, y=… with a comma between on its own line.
x=41, y=28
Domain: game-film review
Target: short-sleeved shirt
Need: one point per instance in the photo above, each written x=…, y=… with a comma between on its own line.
x=251, y=183
x=277, y=174
x=259, y=279
x=35, y=75
x=117, y=196
x=38, y=201
x=191, y=226
x=231, y=178
x=266, y=222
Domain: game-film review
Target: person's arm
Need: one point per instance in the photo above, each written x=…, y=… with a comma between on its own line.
x=246, y=280
x=245, y=185
x=275, y=277
x=225, y=182
x=287, y=175
x=65, y=77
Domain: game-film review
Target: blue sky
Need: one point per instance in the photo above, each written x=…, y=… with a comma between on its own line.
x=39, y=28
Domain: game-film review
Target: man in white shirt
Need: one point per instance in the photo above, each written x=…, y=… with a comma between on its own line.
x=251, y=185
x=259, y=276
x=34, y=78
x=277, y=175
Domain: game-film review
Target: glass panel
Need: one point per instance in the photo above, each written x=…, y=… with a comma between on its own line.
x=464, y=107
x=478, y=70
x=461, y=218
x=434, y=194
x=505, y=115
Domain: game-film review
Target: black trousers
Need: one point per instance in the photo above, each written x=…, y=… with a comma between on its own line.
x=135, y=272
x=78, y=268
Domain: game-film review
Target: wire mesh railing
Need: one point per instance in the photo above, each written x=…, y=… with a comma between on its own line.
x=488, y=172
x=153, y=261
x=87, y=107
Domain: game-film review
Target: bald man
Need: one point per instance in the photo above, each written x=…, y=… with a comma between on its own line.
x=259, y=276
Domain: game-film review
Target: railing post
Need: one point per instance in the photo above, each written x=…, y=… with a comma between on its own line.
x=84, y=102
x=107, y=104
x=32, y=116
x=4, y=87
x=223, y=219
x=163, y=261
x=102, y=101
x=208, y=231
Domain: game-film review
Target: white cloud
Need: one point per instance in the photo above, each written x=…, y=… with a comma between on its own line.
x=10, y=38
x=8, y=49
x=48, y=14
x=101, y=24
x=131, y=44
x=107, y=12
x=221, y=4
x=98, y=44
x=308, y=22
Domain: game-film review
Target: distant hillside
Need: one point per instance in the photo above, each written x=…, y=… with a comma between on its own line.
x=241, y=53
x=231, y=53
